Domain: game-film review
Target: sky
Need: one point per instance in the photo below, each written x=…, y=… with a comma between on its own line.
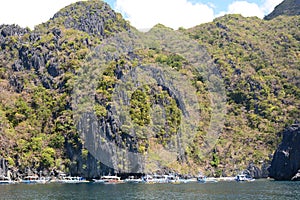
x=142, y=14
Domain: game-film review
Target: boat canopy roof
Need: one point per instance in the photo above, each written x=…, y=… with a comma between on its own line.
x=111, y=177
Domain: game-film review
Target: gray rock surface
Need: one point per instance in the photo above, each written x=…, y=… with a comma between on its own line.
x=94, y=19
x=258, y=171
x=287, y=7
x=286, y=161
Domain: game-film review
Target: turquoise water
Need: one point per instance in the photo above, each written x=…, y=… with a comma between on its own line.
x=222, y=190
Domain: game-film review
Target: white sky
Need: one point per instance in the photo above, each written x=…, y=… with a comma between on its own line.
x=141, y=13
x=28, y=13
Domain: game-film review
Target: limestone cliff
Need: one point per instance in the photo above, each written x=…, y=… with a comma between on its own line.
x=287, y=7
x=258, y=61
x=286, y=161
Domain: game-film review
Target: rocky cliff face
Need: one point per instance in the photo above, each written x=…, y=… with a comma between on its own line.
x=48, y=58
x=286, y=161
x=38, y=69
x=287, y=7
x=93, y=17
x=258, y=172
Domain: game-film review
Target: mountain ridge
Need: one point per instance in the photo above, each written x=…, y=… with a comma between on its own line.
x=257, y=60
x=287, y=7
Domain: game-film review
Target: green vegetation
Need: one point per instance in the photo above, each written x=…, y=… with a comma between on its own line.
x=258, y=61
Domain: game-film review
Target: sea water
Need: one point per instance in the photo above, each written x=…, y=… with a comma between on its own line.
x=260, y=189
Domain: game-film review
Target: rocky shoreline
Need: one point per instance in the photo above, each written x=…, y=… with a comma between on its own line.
x=285, y=165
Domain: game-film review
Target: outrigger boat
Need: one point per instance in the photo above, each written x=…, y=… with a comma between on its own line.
x=151, y=179
x=98, y=181
x=34, y=180
x=173, y=179
x=72, y=179
x=155, y=179
x=244, y=178
x=201, y=179
x=132, y=179
x=110, y=180
x=5, y=180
